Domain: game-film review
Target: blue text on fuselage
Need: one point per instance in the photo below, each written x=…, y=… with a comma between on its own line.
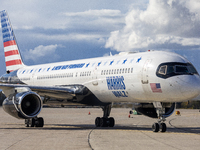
x=120, y=93
x=115, y=83
x=68, y=66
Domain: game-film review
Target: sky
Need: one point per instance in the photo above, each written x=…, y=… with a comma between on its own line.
x=52, y=31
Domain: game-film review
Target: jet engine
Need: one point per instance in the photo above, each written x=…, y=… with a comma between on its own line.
x=23, y=105
x=149, y=110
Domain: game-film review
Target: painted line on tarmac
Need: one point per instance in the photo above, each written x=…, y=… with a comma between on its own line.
x=157, y=133
x=61, y=127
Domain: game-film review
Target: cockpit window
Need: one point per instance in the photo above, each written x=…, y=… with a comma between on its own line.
x=163, y=70
x=181, y=69
x=167, y=70
x=192, y=69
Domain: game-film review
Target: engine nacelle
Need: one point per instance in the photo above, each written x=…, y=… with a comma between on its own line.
x=23, y=105
x=149, y=110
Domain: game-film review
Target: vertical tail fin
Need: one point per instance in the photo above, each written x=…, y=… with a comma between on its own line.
x=12, y=55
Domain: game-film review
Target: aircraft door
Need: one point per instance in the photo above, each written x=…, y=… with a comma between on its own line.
x=94, y=76
x=33, y=79
x=144, y=78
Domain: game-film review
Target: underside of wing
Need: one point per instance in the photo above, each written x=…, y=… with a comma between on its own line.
x=71, y=93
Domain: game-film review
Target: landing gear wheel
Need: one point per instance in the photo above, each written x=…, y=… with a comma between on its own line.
x=163, y=127
x=32, y=122
x=40, y=122
x=111, y=122
x=103, y=122
x=97, y=122
x=155, y=127
x=27, y=122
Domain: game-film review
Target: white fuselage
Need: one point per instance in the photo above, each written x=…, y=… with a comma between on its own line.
x=120, y=78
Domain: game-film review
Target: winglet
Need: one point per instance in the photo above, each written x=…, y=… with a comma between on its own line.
x=13, y=58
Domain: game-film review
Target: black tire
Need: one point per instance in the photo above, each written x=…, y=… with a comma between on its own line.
x=111, y=122
x=40, y=122
x=103, y=122
x=155, y=127
x=97, y=122
x=26, y=122
x=163, y=127
x=32, y=122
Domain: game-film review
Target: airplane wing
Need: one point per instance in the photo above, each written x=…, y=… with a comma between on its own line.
x=61, y=92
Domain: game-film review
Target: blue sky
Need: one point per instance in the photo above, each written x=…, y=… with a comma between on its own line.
x=53, y=31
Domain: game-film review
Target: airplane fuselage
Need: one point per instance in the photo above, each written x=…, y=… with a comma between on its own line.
x=127, y=77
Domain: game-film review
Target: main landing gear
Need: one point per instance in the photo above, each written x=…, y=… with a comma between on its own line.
x=34, y=122
x=160, y=126
x=105, y=121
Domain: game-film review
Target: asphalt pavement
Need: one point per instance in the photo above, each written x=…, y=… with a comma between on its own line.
x=73, y=128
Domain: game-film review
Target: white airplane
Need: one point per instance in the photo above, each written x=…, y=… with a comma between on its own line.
x=154, y=80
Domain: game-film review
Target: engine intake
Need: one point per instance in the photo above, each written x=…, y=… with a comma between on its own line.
x=23, y=105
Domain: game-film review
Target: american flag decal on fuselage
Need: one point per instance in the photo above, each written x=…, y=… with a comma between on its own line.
x=155, y=87
x=12, y=56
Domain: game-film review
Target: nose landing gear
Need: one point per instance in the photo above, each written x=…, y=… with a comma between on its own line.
x=160, y=126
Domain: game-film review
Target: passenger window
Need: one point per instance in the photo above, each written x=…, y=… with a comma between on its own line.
x=120, y=71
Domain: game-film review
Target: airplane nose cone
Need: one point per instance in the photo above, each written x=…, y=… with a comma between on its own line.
x=189, y=86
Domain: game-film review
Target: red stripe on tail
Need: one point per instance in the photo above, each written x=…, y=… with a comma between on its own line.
x=9, y=43
x=12, y=52
x=13, y=62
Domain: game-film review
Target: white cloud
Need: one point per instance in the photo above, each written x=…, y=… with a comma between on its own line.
x=42, y=52
x=95, y=13
x=94, y=20
x=87, y=37
x=88, y=25
x=161, y=25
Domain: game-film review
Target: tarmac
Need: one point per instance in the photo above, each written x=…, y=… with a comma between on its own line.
x=73, y=129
